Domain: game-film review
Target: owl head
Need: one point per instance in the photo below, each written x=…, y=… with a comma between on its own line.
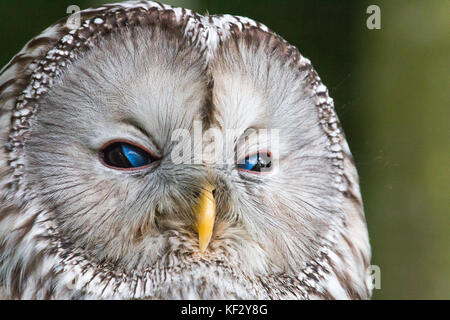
x=152, y=152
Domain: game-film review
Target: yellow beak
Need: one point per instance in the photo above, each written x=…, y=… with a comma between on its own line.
x=205, y=213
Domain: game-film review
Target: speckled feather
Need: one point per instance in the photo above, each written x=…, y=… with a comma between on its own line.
x=55, y=269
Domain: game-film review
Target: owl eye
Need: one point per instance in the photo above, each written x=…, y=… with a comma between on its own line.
x=258, y=162
x=122, y=155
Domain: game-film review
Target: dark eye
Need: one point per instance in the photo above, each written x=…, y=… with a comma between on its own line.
x=258, y=162
x=123, y=155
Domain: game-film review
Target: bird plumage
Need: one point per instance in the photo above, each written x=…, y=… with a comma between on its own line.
x=72, y=228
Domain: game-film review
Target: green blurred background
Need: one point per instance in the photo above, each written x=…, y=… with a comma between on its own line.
x=391, y=91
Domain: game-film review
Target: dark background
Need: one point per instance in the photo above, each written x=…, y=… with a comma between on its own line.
x=391, y=92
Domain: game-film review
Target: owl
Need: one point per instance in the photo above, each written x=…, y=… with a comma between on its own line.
x=113, y=183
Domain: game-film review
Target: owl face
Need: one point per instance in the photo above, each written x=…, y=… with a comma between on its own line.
x=126, y=202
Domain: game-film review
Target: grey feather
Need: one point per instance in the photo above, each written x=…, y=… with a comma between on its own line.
x=71, y=227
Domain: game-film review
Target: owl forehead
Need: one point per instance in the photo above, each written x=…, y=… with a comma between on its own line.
x=161, y=82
